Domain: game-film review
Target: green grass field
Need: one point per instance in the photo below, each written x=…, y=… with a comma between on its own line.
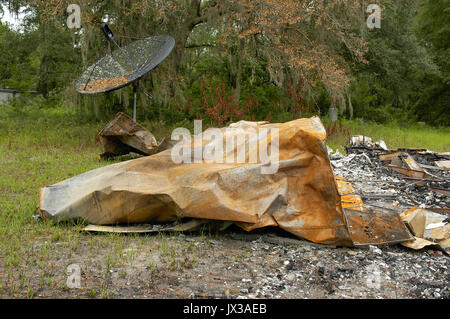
x=415, y=136
x=43, y=147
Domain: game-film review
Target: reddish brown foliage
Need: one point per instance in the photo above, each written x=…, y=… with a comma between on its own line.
x=296, y=95
x=222, y=108
x=337, y=128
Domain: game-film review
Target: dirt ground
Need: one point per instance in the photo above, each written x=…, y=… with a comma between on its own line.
x=266, y=263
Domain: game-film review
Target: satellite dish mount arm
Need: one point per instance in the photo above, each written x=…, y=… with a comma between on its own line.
x=135, y=88
x=109, y=35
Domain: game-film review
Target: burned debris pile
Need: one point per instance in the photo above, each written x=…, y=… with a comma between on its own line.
x=406, y=177
x=414, y=183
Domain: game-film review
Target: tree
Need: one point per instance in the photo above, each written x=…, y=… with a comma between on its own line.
x=19, y=62
x=387, y=86
x=301, y=40
x=298, y=38
x=285, y=54
x=433, y=29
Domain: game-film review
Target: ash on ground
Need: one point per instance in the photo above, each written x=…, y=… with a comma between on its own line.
x=382, y=187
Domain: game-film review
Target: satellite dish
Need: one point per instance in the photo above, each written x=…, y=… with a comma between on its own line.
x=124, y=65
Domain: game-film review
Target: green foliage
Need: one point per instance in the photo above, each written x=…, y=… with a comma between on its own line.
x=398, y=68
x=59, y=58
x=433, y=30
x=406, y=78
x=19, y=61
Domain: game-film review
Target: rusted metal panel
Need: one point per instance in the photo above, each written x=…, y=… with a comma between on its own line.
x=301, y=197
x=400, y=159
x=413, y=150
x=389, y=156
x=375, y=227
x=409, y=172
x=123, y=135
x=179, y=227
x=412, y=168
x=369, y=226
x=412, y=164
x=349, y=198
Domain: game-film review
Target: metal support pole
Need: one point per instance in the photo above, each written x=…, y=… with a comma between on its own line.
x=135, y=87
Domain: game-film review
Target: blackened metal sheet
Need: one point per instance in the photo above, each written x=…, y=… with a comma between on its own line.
x=376, y=227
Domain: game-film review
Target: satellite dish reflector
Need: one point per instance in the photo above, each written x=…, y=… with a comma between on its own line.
x=124, y=65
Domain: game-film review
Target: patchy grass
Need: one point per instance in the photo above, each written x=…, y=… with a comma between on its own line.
x=43, y=147
x=37, y=148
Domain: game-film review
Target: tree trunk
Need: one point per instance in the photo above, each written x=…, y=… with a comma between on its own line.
x=350, y=105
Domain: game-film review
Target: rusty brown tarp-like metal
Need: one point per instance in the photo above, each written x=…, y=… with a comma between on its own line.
x=122, y=135
x=301, y=197
x=369, y=225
